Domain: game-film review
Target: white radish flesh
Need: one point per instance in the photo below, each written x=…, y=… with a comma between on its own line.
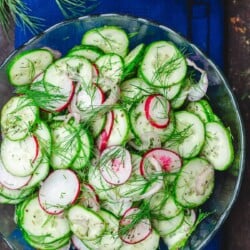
x=19, y=157
x=139, y=232
x=198, y=90
x=157, y=110
x=60, y=189
x=169, y=161
x=78, y=244
x=10, y=181
x=115, y=165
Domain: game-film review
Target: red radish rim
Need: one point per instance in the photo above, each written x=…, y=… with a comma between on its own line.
x=93, y=195
x=65, y=105
x=37, y=148
x=103, y=138
x=70, y=203
x=102, y=94
x=107, y=177
x=24, y=182
x=142, y=170
x=147, y=105
x=120, y=224
x=92, y=188
x=95, y=68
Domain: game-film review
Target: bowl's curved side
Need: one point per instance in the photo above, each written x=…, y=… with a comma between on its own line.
x=65, y=35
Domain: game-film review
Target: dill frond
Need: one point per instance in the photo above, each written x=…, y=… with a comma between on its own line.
x=18, y=12
x=76, y=8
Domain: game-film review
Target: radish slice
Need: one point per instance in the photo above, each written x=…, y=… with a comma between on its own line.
x=157, y=110
x=89, y=198
x=139, y=232
x=64, y=105
x=10, y=181
x=95, y=71
x=157, y=184
x=103, y=138
x=20, y=158
x=56, y=53
x=115, y=165
x=169, y=161
x=198, y=91
x=60, y=189
x=78, y=244
x=90, y=98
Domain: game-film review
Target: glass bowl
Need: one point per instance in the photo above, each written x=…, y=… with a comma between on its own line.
x=65, y=35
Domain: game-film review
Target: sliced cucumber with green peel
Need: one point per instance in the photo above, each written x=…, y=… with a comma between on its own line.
x=110, y=68
x=65, y=145
x=178, y=238
x=88, y=51
x=27, y=65
x=195, y=183
x=18, y=117
x=218, y=146
x=189, y=136
x=133, y=58
x=110, y=39
x=163, y=65
x=35, y=221
x=85, y=223
x=167, y=226
x=85, y=152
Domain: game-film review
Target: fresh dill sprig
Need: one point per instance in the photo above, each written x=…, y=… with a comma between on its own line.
x=18, y=11
x=39, y=95
x=135, y=218
x=76, y=8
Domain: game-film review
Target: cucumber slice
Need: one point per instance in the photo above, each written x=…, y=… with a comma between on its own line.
x=85, y=152
x=218, y=147
x=21, y=158
x=5, y=200
x=15, y=195
x=18, y=116
x=189, y=135
x=88, y=51
x=110, y=39
x=85, y=223
x=198, y=109
x=133, y=89
x=194, y=183
x=178, y=238
x=163, y=65
x=110, y=240
x=97, y=124
x=37, y=222
x=163, y=206
x=133, y=58
x=27, y=65
x=110, y=68
x=65, y=145
x=167, y=226
x=39, y=174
